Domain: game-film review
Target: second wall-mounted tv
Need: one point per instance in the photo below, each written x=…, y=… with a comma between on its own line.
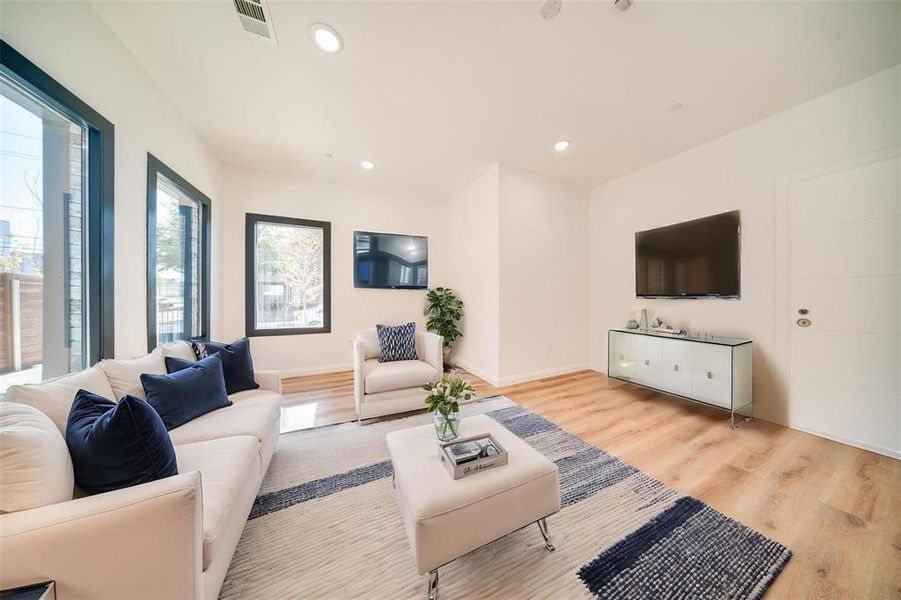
x=390, y=260
x=694, y=259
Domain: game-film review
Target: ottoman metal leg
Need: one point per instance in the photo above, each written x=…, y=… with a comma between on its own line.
x=542, y=526
x=433, y=584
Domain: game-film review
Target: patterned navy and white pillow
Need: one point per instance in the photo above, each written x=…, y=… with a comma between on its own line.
x=237, y=363
x=199, y=350
x=397, y=342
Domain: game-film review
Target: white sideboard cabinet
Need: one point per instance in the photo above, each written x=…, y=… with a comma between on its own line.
x=716, y=371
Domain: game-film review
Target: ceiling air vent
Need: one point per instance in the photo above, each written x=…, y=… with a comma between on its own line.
x=255, y=19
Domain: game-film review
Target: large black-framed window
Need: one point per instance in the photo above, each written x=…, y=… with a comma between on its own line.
x=178, y=257
x=288, y=275
x=56, y=224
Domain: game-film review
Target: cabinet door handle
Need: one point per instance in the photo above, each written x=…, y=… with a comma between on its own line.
x=676, y=368
x=709, y=375
x=647, y=362
x=620, y=356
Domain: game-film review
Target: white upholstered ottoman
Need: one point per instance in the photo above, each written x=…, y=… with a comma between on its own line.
x=446, y=518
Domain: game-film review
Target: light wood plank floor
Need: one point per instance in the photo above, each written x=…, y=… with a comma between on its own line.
x=837, y=507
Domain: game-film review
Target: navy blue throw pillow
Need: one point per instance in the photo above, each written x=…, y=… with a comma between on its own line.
x=397, y=342
x=237, y=366
x=114, y=446
x=191, y=389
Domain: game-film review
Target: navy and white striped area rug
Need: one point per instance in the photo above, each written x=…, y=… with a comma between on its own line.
x=326, y=525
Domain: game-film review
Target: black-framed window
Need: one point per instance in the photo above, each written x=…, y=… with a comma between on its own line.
x=178, y=257
x=56, y=227
x=288, y=275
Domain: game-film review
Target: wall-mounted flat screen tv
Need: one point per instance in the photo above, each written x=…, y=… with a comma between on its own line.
x=694, y=259
x=389, y=260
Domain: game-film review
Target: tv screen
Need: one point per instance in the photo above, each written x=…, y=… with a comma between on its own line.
x=388, y=260
x=690, y=260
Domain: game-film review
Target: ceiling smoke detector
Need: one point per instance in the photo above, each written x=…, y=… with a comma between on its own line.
x=550, y=9
x=623, y=5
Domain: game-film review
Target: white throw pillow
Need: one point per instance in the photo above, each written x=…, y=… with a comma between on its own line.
x=35, y=466
x=54, y=397
x=125, y=375
x=179, y=349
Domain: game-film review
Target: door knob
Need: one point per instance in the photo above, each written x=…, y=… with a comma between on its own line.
x=803, y=322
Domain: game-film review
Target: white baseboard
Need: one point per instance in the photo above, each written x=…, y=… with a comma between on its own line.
x=315, y=370
x=506, y=380
x=471, y=368
x=850, y=442
x=540, y=374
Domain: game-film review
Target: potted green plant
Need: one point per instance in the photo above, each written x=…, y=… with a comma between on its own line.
x=444, y=310
x=443, y=400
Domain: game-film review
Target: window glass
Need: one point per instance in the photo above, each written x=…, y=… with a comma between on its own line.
x=43, y=208
x=179, y=268
x=289, y=276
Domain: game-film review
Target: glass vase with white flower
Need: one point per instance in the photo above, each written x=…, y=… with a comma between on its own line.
x=443, y=399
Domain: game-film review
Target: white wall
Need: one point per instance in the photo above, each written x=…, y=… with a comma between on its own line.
x=518, y=258
x=70, y=42
x=473, y=273
x=543, y=276
x=742, y=170
x=347, y=209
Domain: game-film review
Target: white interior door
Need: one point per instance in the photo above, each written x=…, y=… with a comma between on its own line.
x=845, y=263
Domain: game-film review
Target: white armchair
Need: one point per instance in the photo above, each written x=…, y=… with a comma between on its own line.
x=394, y=387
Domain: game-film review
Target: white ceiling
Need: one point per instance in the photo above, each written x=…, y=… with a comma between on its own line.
x=435, y=92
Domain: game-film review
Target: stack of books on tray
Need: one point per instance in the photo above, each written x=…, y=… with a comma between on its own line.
x=467, y=456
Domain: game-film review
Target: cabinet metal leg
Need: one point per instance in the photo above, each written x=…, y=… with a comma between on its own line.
x=738, y=418
x=542, y=526
x=433, y=584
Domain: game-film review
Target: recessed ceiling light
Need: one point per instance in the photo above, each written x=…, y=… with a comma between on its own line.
x=675, y=106
x=367, y=164
x=562, y=145
x=326, y=38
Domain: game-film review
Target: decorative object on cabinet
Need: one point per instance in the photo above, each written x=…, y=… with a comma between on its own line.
x=632, y=324
x=643, y=323
x=715, y=371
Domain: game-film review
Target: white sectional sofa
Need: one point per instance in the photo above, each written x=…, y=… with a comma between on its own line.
x=171, y=538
